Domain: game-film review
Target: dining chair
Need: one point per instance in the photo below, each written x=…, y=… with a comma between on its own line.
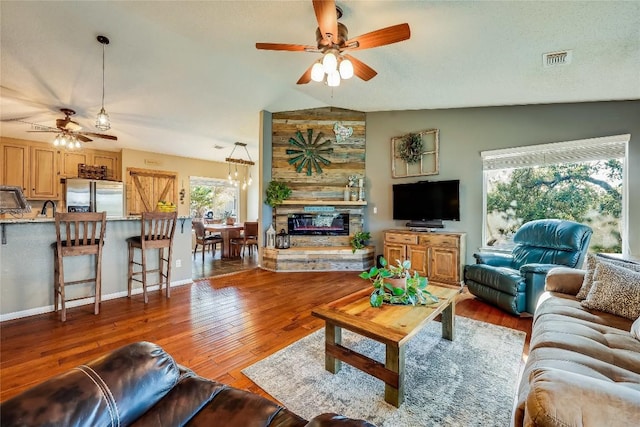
x=250, y=237
x=205, y=240
x=235, y=243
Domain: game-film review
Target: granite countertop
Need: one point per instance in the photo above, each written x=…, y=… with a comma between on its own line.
x=40, y=219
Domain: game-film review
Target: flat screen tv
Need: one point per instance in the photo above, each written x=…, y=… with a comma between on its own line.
x=427, y=203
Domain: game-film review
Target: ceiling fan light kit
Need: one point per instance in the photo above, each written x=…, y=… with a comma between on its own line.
x=333, y=40
x=102, y=120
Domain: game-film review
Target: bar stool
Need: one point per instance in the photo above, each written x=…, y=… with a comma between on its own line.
x=157, y=230
x=78, y=234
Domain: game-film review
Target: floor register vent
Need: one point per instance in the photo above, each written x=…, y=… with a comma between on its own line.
x=553, y=59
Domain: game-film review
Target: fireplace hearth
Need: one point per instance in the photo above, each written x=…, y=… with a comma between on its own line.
x=318, y=224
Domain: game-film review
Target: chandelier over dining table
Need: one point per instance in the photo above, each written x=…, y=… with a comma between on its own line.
x=235, y=161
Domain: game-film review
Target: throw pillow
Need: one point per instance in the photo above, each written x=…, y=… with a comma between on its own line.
x=635, y=329
x=615, y=290
x=593, y=261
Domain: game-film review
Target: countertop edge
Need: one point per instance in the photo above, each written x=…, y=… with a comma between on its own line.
x=45, y=220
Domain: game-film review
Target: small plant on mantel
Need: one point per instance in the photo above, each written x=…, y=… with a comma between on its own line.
x=359, y=240
x=394, y=284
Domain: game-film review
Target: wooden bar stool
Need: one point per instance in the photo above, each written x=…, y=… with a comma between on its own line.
x=157, y=230
x=78, y=234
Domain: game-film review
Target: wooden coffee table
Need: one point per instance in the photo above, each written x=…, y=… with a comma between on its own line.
x=392, y=325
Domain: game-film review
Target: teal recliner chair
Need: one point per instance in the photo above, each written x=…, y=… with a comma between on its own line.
x=515, y=282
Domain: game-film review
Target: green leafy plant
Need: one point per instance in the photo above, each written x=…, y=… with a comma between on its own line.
x=414, y=290
x=277, y=192
x=359, y=240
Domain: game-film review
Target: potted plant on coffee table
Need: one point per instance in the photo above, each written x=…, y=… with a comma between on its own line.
x=394, y=284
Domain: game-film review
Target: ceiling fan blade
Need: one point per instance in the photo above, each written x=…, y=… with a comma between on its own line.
x=284, y=46
x=101, y=135
x=327, y=20
x=45, y=131
x=306, y=77
x=361, y=69
x=83, y=138
x=384, y=36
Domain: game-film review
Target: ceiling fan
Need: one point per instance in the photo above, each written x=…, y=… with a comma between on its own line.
x=332, y=40
x=69, y=129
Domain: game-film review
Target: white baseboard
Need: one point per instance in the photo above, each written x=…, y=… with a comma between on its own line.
x=83, y=301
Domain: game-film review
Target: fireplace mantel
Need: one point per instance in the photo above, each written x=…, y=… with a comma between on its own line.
x=324, y=202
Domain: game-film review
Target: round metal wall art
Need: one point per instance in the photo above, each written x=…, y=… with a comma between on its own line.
x=309, y=154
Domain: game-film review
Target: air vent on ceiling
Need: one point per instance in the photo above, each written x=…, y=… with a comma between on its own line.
x=554, y=59
x=218, y=147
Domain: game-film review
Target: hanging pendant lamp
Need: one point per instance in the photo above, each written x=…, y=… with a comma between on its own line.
x=102, y=120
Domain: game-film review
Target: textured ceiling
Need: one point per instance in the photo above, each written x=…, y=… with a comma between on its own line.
x=182, y=77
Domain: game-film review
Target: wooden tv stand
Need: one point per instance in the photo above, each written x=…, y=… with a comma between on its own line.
x=436, y=255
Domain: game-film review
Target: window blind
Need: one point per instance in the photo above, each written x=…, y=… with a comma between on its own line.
x=609, y=147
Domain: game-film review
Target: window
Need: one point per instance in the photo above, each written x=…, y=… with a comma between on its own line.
x=582, y=181
x=213, y=198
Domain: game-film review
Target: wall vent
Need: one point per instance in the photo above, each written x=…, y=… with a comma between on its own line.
x=554, y=59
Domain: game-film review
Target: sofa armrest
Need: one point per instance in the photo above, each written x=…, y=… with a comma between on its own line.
x=559, y=397
x=537, y=268
x=564, y=280
x=492, y=258
x=112, y=389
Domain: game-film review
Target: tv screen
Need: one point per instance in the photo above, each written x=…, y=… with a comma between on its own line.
x=427, y=201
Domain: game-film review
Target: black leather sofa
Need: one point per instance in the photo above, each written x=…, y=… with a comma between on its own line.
x=141, y=385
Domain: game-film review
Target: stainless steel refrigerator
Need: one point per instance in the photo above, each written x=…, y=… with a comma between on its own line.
x=90, y=195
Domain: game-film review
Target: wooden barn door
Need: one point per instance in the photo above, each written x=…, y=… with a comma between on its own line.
x=146, y=187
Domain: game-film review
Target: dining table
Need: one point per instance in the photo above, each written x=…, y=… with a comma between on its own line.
x=225, y=232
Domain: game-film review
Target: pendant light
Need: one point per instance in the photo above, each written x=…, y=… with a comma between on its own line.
x=242, y=162
x=102, y=120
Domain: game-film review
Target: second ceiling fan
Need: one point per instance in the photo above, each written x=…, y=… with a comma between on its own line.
x=332, y=41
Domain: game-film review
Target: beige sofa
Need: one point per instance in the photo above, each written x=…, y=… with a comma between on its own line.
x=583, y=367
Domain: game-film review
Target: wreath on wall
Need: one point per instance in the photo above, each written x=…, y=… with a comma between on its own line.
x=412, y=148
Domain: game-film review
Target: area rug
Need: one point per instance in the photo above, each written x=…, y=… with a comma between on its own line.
x=468, y=382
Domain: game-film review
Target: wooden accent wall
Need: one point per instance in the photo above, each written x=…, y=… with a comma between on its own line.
x=348, y=158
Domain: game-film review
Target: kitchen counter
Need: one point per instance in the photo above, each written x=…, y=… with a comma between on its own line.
x=26, y=264
x=51, y=219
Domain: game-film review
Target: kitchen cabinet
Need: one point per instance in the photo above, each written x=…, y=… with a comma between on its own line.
x=437, y=256
x=44, y=173
x=69, y=161
x=15, y=165
x=37, y=167
x=32, y=167
x=109, y=159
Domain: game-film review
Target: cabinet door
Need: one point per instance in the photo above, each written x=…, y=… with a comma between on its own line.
x=44, y=171
x=69, y=163
x=419, y=257
x=15, y=166
x=394, y=251
x=110, y=160
x=443, y=265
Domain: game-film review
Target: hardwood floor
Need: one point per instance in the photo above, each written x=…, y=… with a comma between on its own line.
x=215, y=266
x=215, y=327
